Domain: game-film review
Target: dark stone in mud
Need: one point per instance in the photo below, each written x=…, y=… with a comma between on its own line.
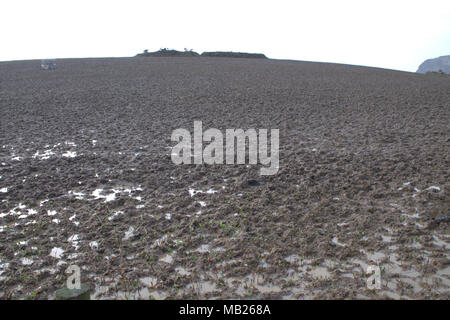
x=84, y=293
x=442, y=218
x=254, y=182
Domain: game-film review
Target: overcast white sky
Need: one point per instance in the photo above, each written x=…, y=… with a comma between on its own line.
x=383, y=33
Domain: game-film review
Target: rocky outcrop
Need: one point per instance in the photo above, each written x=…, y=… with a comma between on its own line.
x=435, y=65
x=168, y=53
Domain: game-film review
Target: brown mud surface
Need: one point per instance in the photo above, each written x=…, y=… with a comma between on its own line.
x=86, y=178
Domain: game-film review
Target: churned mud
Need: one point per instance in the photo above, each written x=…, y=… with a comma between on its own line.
x=86, y=178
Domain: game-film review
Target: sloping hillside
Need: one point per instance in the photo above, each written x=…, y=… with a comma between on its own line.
x=86, y=178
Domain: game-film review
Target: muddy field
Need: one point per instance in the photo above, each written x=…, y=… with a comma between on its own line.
x=86, y=178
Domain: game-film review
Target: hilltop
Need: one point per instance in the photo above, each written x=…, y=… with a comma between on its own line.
x=190, y=53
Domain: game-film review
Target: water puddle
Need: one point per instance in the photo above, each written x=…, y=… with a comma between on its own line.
x=193, y=192
x=168, y=258
x=129, y=233
x=182, y=271
x=115, y=214
x=56, y=253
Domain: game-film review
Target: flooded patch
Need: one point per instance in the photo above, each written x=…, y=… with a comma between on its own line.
x=168, y=258
x=74, y=241
x=149, y=281
x=93, y=244
x=69, y=154
x=129, y=233
x=159, y=241
x=27, y=261
x=115, y=214
x=97, y=194
x=203, y=248
x=182, y=271
x=193, y=192
x=56, y=253
x=45, y=155
x=78, y=195
x=336, y=242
